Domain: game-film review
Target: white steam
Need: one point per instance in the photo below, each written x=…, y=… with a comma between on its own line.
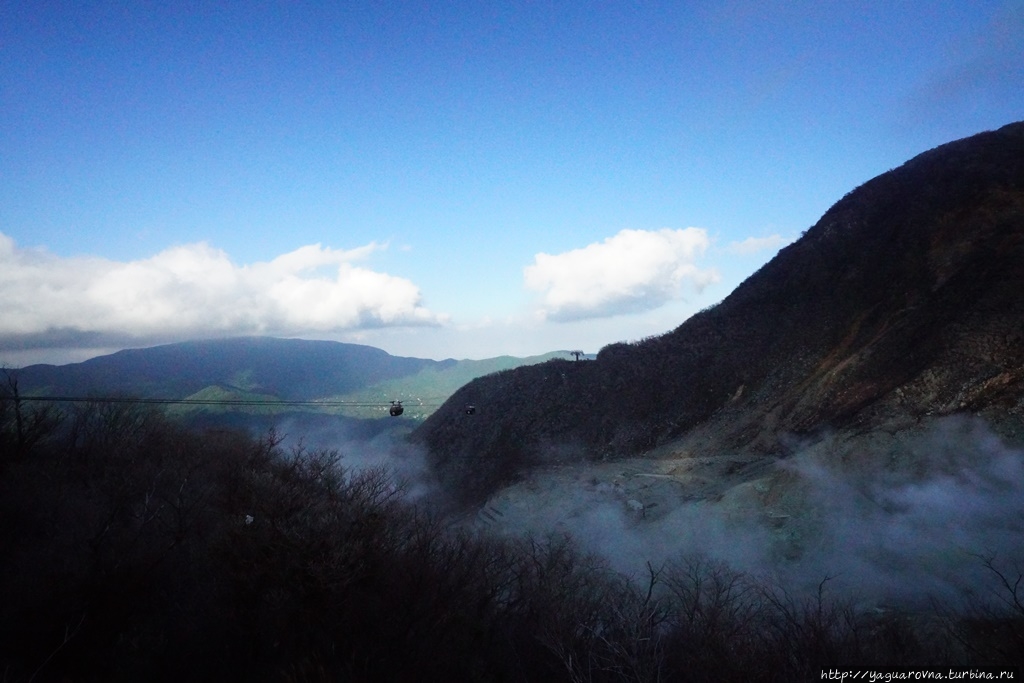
x=379, y=444
x=906, y=519
x=896, y=520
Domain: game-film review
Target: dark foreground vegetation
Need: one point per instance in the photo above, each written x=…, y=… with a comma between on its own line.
x=134, y=549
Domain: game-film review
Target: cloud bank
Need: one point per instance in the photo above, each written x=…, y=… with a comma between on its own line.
x=196, y=290
x=635, y=270
x=754, y=245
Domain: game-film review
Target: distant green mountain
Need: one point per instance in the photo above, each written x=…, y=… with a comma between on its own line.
x=425, y=391
x=268, y=369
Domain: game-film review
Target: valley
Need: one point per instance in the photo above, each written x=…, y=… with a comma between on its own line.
x=827, y=466
x=893, y=519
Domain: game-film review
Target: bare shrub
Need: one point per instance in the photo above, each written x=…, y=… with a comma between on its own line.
x=994, y=632
x=133, y=549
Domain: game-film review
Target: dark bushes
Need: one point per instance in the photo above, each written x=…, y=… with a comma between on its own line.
x=133, y=549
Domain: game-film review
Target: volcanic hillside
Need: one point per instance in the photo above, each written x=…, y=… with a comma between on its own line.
x=905, y=300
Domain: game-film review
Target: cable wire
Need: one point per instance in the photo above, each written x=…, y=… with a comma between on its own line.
x=413, y=403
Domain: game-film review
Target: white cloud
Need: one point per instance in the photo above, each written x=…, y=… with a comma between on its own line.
x=636, y=270
x=196, y=290
x=752, y=245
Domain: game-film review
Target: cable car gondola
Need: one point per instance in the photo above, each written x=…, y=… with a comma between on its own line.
x=396, y=408
x=470, y=409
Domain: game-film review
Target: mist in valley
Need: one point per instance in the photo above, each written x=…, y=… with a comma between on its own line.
x=314, y=543
x=906, y=520
x=384, y=448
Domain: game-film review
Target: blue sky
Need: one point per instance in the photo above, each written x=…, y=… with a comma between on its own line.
x=449, y=179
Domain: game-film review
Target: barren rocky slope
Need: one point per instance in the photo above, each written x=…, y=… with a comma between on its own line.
x=904, y=302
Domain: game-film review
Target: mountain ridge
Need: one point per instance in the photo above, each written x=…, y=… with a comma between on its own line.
x=269, y=367
x=902, y=301
x=250, y=363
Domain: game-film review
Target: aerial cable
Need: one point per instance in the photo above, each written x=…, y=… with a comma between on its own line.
x=212, y=402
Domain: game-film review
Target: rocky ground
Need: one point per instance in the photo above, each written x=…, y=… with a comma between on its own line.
x=886, y=517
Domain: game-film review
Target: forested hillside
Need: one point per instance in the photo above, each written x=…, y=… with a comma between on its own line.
x=904, y=300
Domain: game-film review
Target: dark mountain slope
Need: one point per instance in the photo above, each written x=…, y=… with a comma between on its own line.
x=292, y=369
x=905, y=299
